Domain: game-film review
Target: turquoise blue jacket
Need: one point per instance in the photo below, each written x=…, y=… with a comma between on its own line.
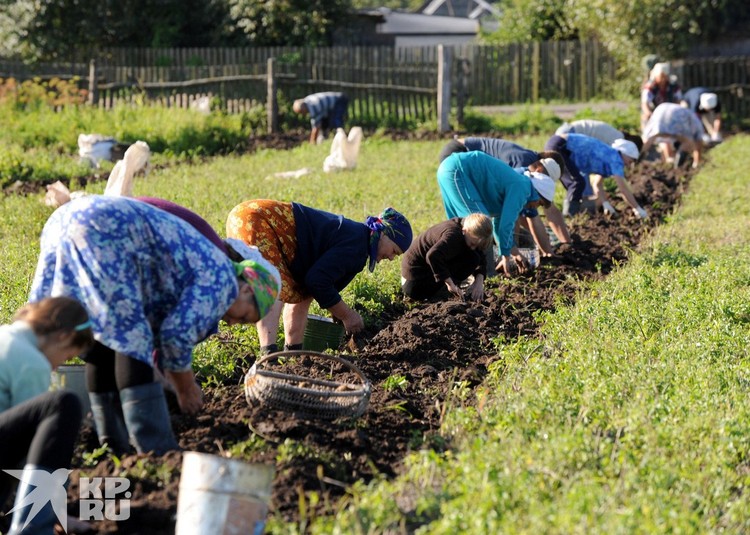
x=477, y=182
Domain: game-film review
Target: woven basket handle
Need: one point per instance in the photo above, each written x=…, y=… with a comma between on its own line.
x=301, y=352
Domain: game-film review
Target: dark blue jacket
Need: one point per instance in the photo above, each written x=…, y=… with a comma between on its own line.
x=331, y=250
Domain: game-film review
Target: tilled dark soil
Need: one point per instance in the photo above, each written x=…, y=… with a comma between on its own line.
x=432, y=345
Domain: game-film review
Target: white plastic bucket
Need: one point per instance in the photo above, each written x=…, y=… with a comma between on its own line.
x=72, y=377
x=222, y=496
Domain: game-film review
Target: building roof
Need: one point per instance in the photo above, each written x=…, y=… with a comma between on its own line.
x=472, y=9
x=401, y=23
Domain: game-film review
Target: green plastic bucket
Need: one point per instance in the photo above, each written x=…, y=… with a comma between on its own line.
x=322, y=333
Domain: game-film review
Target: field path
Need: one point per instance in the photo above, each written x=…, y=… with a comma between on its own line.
x=563, y=110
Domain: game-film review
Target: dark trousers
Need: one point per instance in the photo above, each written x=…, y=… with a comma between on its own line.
x=426, y=287
x=42, y=430
x=572, y=179
x=336, y=117
x=338, y=114
x=109, y=371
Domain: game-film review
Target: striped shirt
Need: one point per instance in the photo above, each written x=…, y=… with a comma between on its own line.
x=320, y=105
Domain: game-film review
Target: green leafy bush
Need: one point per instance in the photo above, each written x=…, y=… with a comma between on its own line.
x=526, y=120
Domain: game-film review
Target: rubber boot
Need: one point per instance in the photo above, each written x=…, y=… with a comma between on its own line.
x=109, y=422
x=571, y=208
x=28, y=519
x=267, y=350
x=147, y=418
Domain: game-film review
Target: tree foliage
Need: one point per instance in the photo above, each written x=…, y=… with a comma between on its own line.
x=629, y=29
x=288, y=22
x=532, y=20
x=55, y=28
x=47, y=29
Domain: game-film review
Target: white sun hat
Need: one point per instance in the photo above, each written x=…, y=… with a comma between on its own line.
x=544, y=185
x=553, y=169
x=708, y=101
x=628, y=148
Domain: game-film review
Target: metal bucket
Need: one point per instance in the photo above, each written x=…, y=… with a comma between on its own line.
x=222, y=496
x=322, y=333
x=72, y=377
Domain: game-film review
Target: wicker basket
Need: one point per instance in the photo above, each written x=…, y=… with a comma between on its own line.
x=307, y=397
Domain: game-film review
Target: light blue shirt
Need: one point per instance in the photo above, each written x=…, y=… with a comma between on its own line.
x=592, y=156
x=24, y=370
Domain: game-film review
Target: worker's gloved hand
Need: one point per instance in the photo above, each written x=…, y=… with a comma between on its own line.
x=476, y=291
x=640, y=213
x=522, y=265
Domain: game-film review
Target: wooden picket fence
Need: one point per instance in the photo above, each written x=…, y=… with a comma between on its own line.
x=729, y=77
x=384, y=84
x=570, y=71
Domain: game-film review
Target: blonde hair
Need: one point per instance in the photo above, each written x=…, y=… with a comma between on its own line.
x=479, y=226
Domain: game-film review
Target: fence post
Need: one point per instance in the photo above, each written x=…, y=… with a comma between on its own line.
x=462, y=83
x=445, y=58
x=272, y=105
x=535, y=74
x=584, y=94
x=93, y=97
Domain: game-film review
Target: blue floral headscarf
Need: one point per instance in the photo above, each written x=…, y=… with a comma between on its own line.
x=394, y=225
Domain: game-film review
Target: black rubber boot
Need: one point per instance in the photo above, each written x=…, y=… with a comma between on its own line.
x=267, y=350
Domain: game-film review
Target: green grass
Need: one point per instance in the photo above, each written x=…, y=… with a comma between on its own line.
x=632, y=417
x=39, y=141
x=41, y=144
x=536, y=119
